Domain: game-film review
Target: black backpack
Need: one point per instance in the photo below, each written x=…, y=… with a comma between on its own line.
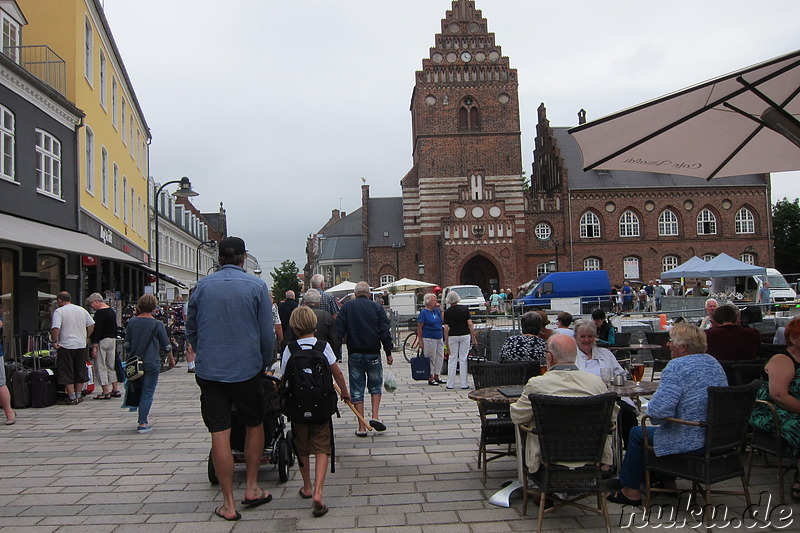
x=308, y=393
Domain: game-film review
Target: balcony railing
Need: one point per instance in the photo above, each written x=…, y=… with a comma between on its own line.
x=42, y=62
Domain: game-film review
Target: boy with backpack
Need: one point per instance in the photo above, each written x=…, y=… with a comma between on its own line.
x=309, y=369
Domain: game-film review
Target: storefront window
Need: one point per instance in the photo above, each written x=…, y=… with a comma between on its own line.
x=7, y=301
x=50, y=276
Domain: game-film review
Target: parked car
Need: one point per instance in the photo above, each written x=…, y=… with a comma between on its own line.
x=471, y=296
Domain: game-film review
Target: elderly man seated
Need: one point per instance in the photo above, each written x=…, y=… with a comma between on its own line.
x=562, y=379
x=728, y=340
x=711, y=306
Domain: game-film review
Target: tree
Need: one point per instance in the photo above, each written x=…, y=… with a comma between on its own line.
x=786, y=228
x=285, y=279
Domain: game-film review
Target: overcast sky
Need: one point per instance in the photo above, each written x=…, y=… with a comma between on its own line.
x=278, y=108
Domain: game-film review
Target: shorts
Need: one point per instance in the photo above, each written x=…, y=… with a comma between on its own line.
x=311, y=439
x=217, y=399
x=71, y=366
x=365, y=370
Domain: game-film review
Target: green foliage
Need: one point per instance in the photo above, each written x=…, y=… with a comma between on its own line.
x=285, y=279
x=786, y=230
x=525, y=181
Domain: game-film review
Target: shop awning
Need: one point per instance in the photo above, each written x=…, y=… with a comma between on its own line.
x=36, y=234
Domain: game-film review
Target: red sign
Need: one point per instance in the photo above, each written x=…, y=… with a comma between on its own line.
x=89, y=260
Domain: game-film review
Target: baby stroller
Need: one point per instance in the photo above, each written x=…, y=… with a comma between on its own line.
x=277, y=440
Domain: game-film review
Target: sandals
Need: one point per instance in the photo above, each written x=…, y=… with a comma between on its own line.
x=106, y=396
x=116, y=394
x=620, y=498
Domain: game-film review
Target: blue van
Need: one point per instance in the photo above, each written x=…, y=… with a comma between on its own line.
x=592, y=286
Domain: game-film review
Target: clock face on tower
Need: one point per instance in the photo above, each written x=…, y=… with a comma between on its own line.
x=465, y=57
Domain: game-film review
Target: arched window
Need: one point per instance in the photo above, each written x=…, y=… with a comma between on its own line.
x=668, y=262
x=667, y=223
x=750, y=259
x=590, y=226
x=708, y=257
x=591, y=263
x=745, y=221
x=469, y=116
x=544, y=268
x=386, y=279
x=706, y=223
x=628, y=224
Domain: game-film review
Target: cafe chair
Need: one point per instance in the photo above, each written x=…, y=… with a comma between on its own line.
x=745, y=372
x=497, y=429
x=767, y=349
x=770, y=443
x=725, y=427
x=571, y=429
x=661, y=356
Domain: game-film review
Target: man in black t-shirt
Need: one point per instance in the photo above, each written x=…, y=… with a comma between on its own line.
x=459, y=335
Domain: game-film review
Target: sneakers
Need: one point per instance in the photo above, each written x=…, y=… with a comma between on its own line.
x=144, y=429
x=190, y=371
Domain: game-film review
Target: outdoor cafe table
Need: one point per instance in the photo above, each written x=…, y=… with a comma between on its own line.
x=502, y=497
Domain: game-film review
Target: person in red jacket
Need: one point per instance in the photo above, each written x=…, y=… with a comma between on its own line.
x=728, y=340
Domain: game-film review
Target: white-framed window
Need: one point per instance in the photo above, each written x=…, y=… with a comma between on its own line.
x=89, y=160
x=88, y=38
x=667, y=223
x=124, y=199
x=133, y=208
x=543, y=231
x=124, y=113
x=750, y=259
x=591, y=263
x=708, y=257
x=668, y=262
x=706, y=223
x=628, y=224
x=114, y=109
x=10, y=37
x=130, y=134
x=104, y=175
x=544, y=268
x=116, y=190
x=590, y=226
x=7, y=140
x=745, y=221
x=48, y=164
x=386, y=279
x=102, y=68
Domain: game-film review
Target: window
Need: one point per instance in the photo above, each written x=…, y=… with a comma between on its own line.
x=544, y=268
x=102, y=79
x=133, y=208
x=591, y=263
x=543, y=231
x=89, y=160
x=130, y=134
x=668, y=262
x=628, y=224
x=10, y=38
x=104, y=175
x=706, y=223
x=114, y=101
x=708, y=257
x=116, y=189
x=48, y=164
x=87, y=50
x=386, y=279
x=590, y=226
x=745, y=221
x=124, y=199
x=469, y=116
x=124, y=140
x=7, y=130
x=667, y=223
x=476, y=187
x=750, y=259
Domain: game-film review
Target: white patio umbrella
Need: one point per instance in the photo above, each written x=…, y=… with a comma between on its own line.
x=345, y=286
x=405, y=284
x=745, y=122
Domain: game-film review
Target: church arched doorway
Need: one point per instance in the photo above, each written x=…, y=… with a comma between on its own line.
x=482, y=272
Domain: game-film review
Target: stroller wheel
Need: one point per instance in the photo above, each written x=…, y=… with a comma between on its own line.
x=282, y=449
x=212, y=473
x=290, y=447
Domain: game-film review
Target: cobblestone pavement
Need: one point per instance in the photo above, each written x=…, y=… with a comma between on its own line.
x=84, y=468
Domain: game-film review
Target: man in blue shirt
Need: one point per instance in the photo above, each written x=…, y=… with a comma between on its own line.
x=230, y=327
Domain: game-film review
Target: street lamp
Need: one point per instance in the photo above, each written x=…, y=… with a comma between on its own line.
x=210, y=244
x=421, y=269
x=397, y=247
x=186, y=191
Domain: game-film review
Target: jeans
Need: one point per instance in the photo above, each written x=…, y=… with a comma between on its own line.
x=632, y=472
x=459, y=349
x=149, y=382
x=365, y=369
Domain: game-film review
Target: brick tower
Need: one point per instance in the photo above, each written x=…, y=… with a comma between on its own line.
x=463, y=203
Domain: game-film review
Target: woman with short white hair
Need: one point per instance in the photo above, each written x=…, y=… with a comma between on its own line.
x=459, y=335
x=430, y=336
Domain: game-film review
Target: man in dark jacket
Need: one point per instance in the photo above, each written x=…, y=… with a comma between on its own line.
x=363, y=325
x=285, y=309
x=728, y=340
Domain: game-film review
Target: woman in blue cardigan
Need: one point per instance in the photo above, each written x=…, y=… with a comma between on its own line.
x=682, y=393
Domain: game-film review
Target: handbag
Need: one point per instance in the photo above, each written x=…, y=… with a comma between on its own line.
x=420, y=367
x=134, y=366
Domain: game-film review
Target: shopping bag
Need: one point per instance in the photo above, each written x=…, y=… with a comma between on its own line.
x=390, y=383
x=420, y=367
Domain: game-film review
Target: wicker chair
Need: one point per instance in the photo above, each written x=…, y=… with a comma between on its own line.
x=661, y=356
x=570, y=429
x=727, y=421
x=497, y=429
x=770, y=443
x=745, y=372
x=767, y=349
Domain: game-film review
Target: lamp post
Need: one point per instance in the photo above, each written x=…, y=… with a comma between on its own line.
x=396, y=248
x=210, y=244
x=185, y=190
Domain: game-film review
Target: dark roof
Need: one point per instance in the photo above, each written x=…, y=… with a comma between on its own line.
x=341, y=247
x=349, y=225
x=619, y=179
x=385, y=216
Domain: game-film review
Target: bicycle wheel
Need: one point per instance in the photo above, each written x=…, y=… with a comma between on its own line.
x=408, y=351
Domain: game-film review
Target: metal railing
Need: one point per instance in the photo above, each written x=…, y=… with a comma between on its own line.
x=41, y=62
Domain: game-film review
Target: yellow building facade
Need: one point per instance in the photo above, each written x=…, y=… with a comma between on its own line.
x=113, y=145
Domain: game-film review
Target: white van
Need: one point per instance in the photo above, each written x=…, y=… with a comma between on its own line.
x=471, y=296
x=779, y=288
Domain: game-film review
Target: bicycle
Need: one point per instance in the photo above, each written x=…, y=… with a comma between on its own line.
x=408, y=351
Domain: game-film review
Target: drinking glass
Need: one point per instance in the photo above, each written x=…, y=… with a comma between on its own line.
x=607, y=375
x=637, y=370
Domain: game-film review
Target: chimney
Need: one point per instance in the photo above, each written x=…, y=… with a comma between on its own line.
x=582, y=116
